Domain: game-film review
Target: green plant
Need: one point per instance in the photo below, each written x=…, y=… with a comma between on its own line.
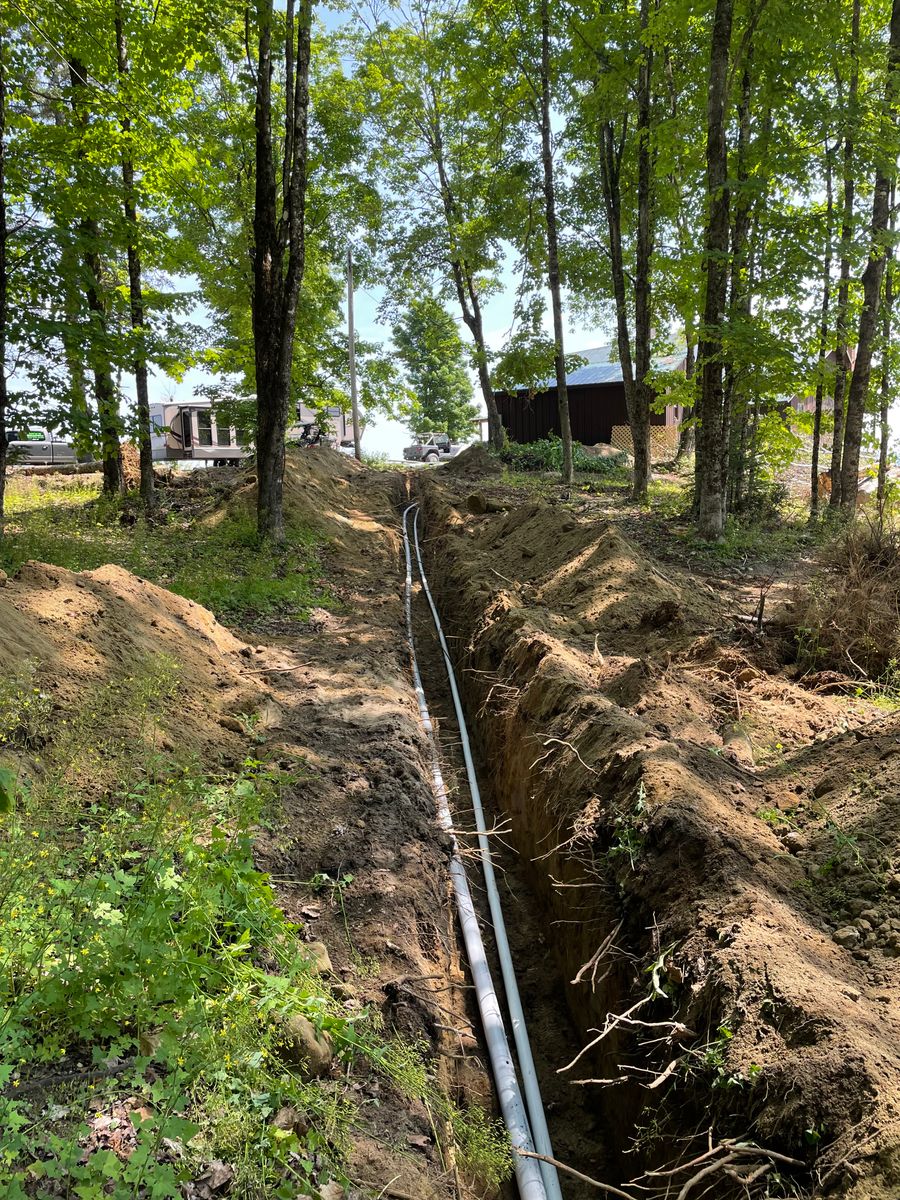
x=80, y=530
x=546, y=455
x=26, y=710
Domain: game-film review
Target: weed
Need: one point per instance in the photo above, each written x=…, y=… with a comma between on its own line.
x=26, y=710
x=628, y=833
x=144, y=956
x=546, y=455
x=80, y=530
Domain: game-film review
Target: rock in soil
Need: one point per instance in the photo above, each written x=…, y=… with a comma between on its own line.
x=305, y=1046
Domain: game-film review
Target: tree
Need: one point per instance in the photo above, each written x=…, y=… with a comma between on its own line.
x=709, y=499
x=441, y=155
x=430, y=348
x=279, y=246
x=873, y=274
x=4, y=237
x=135, y=279
x=553, y=270
x=851, y=120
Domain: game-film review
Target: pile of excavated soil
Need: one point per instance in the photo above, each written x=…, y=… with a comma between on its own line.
x=473, y=462
x=718, y=847
x=354, y=854
x=89, y=632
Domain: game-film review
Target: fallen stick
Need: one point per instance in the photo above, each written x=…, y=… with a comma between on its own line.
x=561, y=1166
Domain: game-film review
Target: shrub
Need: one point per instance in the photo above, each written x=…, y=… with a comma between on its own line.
x=546, y=455
x=847, y=618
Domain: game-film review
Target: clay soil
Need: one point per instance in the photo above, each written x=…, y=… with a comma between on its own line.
x=696, y=837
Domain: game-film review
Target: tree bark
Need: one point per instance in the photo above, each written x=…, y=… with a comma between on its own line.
x=872, y=276
x=463, y=280
x=823, y=341
x=739, y=303
x=279, y=254
x=4, y=287
x=887, y=313
x=710, y=400
x=643, y=317
x=95, y=300
x=611, y=152
x=553, y=272
x=842, y=352
x=686, y=432
x=135, y=283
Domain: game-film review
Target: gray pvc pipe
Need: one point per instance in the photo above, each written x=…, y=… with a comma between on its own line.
x=528, y=1174
x=530, y=1084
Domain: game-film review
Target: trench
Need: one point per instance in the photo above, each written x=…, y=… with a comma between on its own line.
x=575, y=1123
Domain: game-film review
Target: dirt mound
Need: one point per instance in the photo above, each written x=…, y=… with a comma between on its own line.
x=89, y=633
x=476, y=460
x=131, y=465
x=717, y=849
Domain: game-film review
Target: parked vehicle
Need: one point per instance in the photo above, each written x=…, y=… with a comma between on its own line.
x=313, y=435
x=431, y=448
x=40, y=447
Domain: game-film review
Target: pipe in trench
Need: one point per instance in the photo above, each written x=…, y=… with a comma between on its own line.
x=521, y=1117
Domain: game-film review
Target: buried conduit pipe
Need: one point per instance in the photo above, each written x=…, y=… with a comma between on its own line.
x=530, y=1085
x=529, y=1176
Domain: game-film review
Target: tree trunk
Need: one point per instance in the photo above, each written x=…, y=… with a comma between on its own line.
x=4, y=288
x=279, y=254
x=565, y=427
x=135, y=284
x=841, y=351
x=872, y=277
x=739, y=302
x=887, y=316
x=643, y=318
x=611, y=153
x=823, y=341
x=463, y=280
x=95, y=299
x=710, y=400
x=686, y=432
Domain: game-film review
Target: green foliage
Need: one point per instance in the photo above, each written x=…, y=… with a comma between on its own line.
x=25, y=710
x=147, y=970
x=431, y=351
x=546, y=455
x=218, y=559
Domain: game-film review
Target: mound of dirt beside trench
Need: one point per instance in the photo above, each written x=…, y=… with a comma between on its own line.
x=94, y=638
x=333, y=704
x=717, y=848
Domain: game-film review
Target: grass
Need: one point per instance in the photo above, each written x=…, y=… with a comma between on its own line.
x=215, y=558
x=147, y=972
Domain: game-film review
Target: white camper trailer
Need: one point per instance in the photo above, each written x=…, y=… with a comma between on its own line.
x=181, y=431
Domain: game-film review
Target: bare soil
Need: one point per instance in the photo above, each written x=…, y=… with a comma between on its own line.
x=719, y=842
x=696, y=837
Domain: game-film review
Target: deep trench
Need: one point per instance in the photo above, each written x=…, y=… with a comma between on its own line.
x=575, y=1123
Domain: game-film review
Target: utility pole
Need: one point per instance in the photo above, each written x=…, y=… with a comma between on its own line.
x=354, y=402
